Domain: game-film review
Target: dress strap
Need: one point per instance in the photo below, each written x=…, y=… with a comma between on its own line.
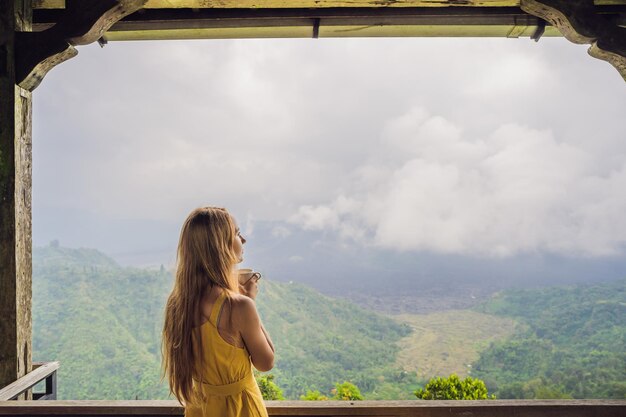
x=217, y=307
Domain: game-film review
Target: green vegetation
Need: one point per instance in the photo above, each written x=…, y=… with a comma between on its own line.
x=269, y=389
x=573, y=345
x=103, y=323
x=346, y=392
x=100, y=321
x=321, y=340
x=313, y=396
x=453, y=388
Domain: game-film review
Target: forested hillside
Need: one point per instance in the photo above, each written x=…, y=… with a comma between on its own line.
x=324, y=340
x=103, y=323
x=574, y=344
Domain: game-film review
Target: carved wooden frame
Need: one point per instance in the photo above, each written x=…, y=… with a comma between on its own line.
x=580, y=22
x=83, y=22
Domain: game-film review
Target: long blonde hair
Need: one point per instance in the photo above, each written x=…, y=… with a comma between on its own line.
x=205, y=258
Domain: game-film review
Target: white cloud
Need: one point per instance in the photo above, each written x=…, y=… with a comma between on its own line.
x=518, y=190
x=489, y=146
x=281, y=232
x=316, y=218
x=335, y=216
x=510, y=76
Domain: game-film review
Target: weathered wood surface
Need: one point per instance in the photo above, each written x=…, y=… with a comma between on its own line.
x=226, y=4
x=220, y=22
x=613, y=54
x=575, y=19
x=580, y=22
x=82, y=22
x=347, y=22
x=499, y=408
x=15, y=201
x=85, y=21
x=39, y=373
x=299, y=29
x=37, y=54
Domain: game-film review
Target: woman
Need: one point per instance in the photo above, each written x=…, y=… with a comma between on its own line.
x=212, y=332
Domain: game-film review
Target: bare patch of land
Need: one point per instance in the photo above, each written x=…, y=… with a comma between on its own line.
x=448, y=342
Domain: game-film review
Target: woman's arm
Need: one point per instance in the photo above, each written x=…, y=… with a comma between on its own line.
x=267, y=337
x=255, y=338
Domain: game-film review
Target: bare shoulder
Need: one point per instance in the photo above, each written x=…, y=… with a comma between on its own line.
x=243, y=306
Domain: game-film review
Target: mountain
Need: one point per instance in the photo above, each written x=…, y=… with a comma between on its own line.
x=285, y=252
x=103, y=323
x=572, y=343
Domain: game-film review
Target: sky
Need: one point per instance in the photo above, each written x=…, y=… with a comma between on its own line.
x=485, y=150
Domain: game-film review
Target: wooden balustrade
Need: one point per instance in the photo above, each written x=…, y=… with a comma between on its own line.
x=490, y=408
x=41, y=371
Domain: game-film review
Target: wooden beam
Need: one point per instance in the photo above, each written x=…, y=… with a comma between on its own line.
x=227, y=4
x=85, y=21
x=82, y=22
x=328, y=22
x=611, y=47
x=580, y=22
x=37, y=53
x=415, y=408
x=211, y=23
x=15, y=201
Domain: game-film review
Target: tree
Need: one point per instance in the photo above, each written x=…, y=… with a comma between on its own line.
x=313, y=396
x=453, y=388
x=346, y=392
x=269, y=389
x=537, y=388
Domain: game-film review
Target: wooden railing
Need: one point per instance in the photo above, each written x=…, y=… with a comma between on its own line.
x=41, y=371
x=497, y=408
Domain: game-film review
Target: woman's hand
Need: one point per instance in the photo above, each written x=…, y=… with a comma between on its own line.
x=250, y=288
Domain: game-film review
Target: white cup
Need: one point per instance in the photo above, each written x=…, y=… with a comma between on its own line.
x=246, y=274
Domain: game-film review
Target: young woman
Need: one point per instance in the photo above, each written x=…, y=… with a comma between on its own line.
x=212, y=333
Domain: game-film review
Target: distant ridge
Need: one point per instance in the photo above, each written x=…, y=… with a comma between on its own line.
x=103, y=323
x=573, y=344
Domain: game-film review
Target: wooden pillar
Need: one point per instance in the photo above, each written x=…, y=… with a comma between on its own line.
x=15, y=201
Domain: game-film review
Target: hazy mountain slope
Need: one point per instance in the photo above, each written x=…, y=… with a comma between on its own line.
x=94, y=317
x=103, y=323
x=574, y=343
x=324, y=340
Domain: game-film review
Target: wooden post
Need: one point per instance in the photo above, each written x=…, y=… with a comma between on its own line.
x=15, y=201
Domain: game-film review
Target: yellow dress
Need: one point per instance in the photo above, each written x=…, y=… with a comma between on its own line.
x=228, y=384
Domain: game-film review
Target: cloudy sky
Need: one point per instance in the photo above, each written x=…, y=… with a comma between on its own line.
x=481, y=148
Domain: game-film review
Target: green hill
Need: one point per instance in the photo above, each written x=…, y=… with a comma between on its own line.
x=574, y=344
x=321, y=340
x=103, y=323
